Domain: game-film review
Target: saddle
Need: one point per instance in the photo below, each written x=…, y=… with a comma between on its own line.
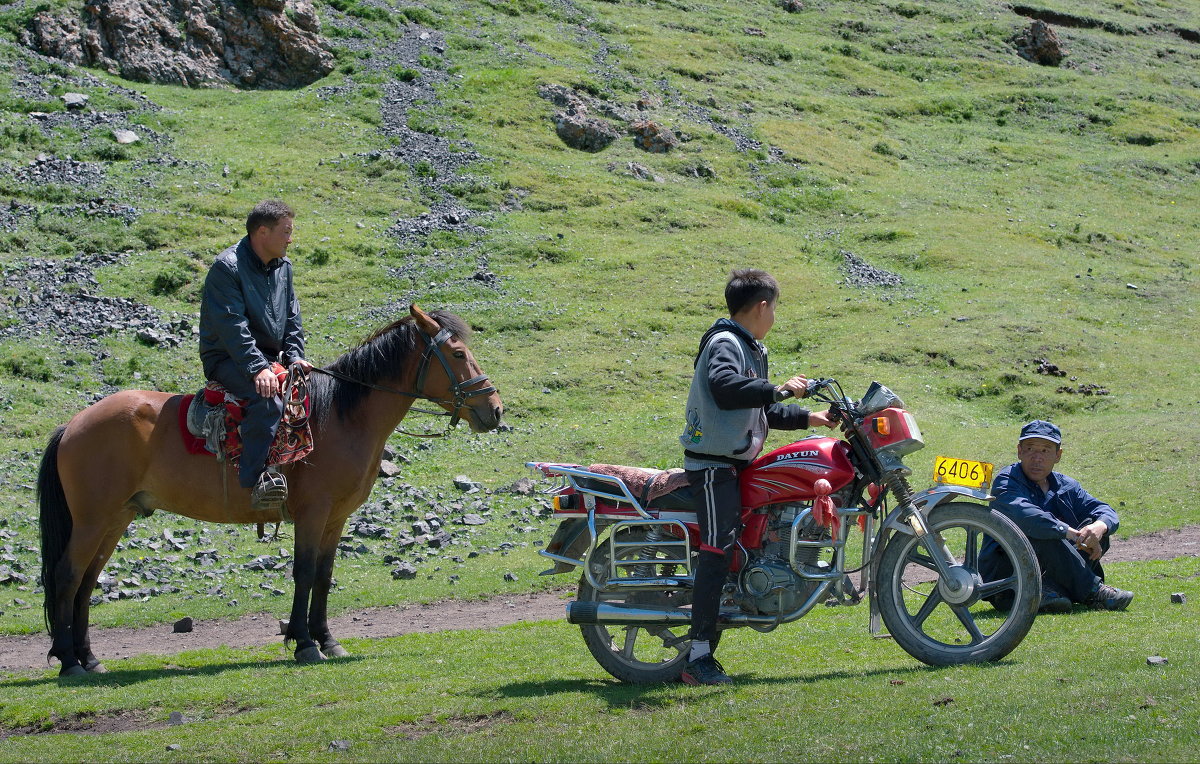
x=210, y=419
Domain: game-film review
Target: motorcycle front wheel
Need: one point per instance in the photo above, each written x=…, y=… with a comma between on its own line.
x=945, y=622
x=641, y=654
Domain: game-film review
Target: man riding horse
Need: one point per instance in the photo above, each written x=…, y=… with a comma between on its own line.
x=250, y=319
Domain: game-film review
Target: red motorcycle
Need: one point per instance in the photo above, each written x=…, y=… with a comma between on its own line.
x=633, y=533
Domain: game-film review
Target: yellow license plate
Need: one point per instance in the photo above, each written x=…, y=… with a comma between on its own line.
x=965, y=472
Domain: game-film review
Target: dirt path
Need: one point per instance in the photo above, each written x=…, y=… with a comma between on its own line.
x=23, y=653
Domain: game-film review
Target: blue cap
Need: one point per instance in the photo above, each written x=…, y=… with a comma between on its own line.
x=1039, y=428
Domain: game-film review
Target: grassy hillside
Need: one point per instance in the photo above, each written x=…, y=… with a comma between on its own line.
x=1036, y=216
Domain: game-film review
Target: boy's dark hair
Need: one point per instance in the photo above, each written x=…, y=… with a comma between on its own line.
x=267, y=213
x=748, y=286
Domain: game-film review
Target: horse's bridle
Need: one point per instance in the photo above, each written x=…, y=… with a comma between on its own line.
x=433, y=348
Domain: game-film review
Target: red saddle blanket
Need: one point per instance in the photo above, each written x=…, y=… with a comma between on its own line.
x=293, y=438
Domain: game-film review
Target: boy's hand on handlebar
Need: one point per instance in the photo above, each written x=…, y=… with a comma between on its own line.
x=795, y=387
x=821, y=419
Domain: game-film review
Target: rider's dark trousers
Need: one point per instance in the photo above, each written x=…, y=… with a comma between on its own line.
x=1061, y=564
x=718, y=510
x=258, y=427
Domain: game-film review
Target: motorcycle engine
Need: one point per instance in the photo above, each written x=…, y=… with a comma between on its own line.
x=768, y=585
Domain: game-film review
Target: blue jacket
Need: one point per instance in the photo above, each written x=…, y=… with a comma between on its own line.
x=1044, y=515
x=249, y=312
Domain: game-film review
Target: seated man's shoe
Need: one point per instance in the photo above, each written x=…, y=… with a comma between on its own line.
x=1108, y=598
x=1053, y=601
x=705, y=670
x=270, y=493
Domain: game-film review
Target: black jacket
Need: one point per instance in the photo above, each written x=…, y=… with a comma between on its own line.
x=249, y=312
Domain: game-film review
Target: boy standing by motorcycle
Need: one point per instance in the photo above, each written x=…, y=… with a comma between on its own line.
x=731, y=405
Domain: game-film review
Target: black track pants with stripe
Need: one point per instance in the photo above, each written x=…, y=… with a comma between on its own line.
x=718, y=510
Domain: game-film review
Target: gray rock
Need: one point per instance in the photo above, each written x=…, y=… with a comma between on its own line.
x=1040, y=44
x=1178, y=598
x=388, y=469
x=510, y=577
x=183, y=625
x=1156, y=660
x=472, y=519
x=125, y=137
x=75, y=101
x=339, y=745
x=464, y=483
x=174, y=747
x=404, y=570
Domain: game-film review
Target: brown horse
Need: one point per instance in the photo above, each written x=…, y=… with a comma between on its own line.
x=124, y=455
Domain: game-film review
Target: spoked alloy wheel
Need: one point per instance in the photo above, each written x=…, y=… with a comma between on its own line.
x=641, y=654
x=944, y=622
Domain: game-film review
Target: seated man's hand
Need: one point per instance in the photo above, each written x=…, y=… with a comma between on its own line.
x=266, y=383
x=1088, y=540
x=303, y=364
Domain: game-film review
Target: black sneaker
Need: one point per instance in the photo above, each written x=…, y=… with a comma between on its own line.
x=1109, y=598
x=1053, y=601
x=270, y=493
x=705, y=670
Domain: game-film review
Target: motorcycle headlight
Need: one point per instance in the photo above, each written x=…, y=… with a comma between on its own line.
x=878, y=398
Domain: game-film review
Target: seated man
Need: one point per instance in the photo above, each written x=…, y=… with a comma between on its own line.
x=250, y=318
x=1068, y=528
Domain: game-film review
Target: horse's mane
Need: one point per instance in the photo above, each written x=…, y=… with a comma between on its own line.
x=380, y=357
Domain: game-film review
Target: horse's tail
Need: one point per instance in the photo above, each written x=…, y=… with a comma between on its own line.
x=55, y=521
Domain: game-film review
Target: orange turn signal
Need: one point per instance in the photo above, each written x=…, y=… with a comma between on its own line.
x=882, y=426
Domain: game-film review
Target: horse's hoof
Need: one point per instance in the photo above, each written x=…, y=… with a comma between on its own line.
x=309, y=655
x=75, y=670
x=96, y=668
x=334, y=650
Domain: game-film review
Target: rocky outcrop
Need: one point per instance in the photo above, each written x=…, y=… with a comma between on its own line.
x=251, y=43
x=1040, y=44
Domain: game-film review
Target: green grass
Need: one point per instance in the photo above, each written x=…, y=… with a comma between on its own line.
x=818, y=690
x=1017, y=202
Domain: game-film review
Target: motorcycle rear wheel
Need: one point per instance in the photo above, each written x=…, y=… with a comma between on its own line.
x=942, y=625
x=641, y=654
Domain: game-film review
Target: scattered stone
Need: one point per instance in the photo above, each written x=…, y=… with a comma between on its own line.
x=74, y=101
x=340, y=745
x=464, y=483
x=792, y=6
x=860, y=274
x=584, y=133
x=472, y=519
x=523, y=486
x=388, y=469
x=1089, y=388
x=1047, y=368
x=177, y=718
x=1040, y=44
x=1131, y=286
x=510, y=577
x=283, y=626
x=642, y=172
x=653, y=137
x=126, y=137
x=174, y=747
x=1178, y=598
x=1156, y=660
x=183, y=625
x=404, y=570
x=754, y=32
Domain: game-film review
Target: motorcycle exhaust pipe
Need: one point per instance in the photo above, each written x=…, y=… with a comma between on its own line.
x=615, y=614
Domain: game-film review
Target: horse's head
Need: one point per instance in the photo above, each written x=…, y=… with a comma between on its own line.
x=449, y=375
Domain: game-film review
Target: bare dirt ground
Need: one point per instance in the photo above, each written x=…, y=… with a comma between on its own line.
x=22, y=653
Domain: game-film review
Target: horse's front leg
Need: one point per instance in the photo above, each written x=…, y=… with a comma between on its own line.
x=318, y=623
x=304, y=569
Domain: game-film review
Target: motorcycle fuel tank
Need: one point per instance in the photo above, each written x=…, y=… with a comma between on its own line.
x=788, y=473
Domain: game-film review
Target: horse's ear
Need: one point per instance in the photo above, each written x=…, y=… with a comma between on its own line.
x=424, y=322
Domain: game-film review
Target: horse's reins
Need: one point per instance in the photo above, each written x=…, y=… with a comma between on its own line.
x=433, y=347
